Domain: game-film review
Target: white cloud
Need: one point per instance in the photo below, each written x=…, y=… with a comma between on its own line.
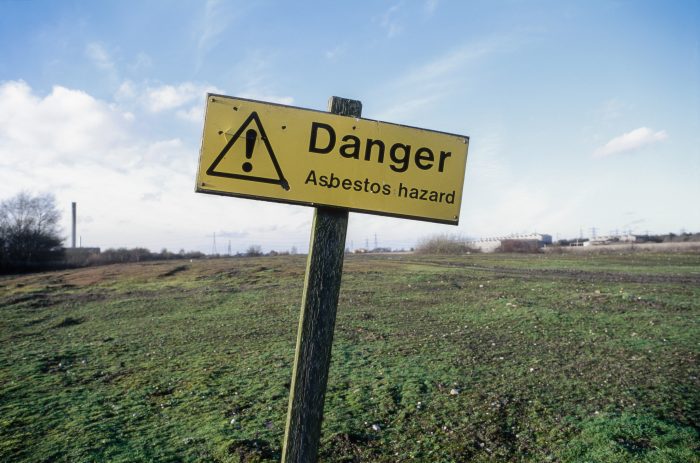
x=167, y=97
x=138, y=191
x=631, y=141
x=186, y=98
x=56, y=126
x=430, y=6
x=518, y=207
x=193, y=114
x=77, y=146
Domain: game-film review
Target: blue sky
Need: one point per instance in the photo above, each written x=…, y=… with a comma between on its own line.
x=580, y=114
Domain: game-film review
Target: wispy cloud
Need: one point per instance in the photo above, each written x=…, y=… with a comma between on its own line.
x=258, y=78
x=334, y=53
x=409, y=106
x=215, y=20
x=99, y=55
x=389, y=20
x=631, y=141
x=453, y=60
x=612, y=109
x=142, y=62
x=126, y=91
x=428, y=83
x=102, y=57
x=430, y=6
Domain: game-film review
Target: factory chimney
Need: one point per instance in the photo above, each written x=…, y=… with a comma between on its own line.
x=74, y=217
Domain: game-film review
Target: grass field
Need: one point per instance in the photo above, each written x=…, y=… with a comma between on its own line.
x=546, y=358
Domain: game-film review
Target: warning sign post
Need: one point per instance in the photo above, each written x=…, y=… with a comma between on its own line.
x=337, y=162
x=312, y=358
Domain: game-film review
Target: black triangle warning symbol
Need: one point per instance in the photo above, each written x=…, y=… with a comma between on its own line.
x=242, y=158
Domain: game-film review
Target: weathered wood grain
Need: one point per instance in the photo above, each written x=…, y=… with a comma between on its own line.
x=324, y=268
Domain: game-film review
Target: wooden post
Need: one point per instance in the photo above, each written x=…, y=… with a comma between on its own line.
x=324, y=268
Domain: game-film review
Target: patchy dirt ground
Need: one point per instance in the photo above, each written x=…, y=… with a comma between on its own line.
x=451, y=359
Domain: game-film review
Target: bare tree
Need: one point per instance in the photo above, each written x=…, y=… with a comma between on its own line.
x=29, y=232
x=254, y=250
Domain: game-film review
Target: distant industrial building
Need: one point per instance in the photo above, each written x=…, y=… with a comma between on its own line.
x=492, y=244
x=78, y=255
x=610, y=239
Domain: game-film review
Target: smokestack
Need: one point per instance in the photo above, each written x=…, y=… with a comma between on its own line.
x=74, y=216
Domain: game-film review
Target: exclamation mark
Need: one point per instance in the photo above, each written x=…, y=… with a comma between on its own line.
x=250, y=137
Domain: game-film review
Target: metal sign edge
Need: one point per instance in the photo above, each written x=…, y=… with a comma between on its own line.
x=215, y=95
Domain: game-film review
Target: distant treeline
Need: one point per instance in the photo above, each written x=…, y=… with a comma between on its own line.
x=76, y=258
x=124, y=255
x=668, y=238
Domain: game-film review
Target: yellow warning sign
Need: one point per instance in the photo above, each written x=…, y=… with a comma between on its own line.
x=267, y=151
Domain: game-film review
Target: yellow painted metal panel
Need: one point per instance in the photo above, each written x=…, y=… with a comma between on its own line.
x=286, y=154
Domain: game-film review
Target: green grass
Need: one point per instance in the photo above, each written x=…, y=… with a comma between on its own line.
x=556, y=358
